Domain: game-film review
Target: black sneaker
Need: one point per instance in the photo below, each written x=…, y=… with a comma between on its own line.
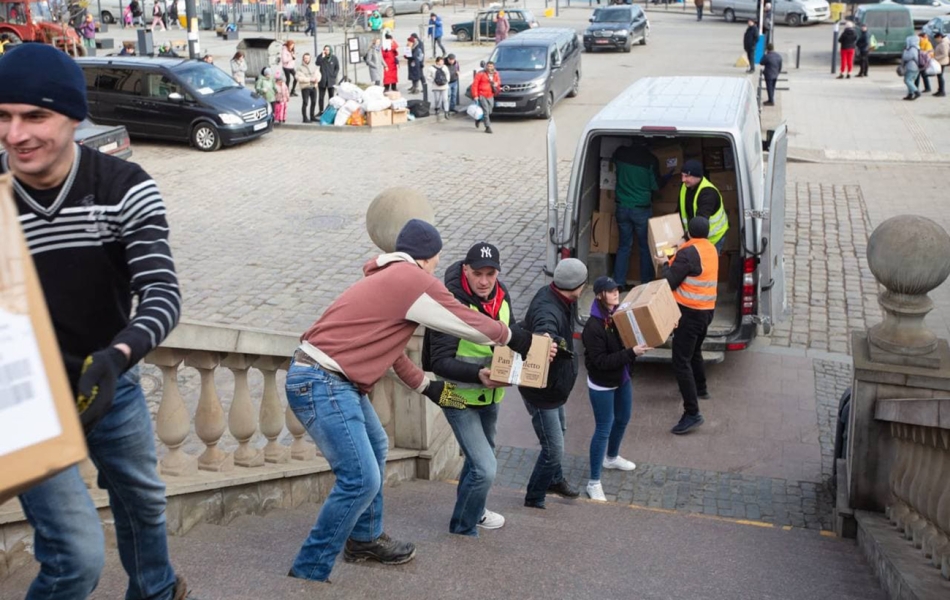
x=703, y=395
x=535, y=504
x=383, y=549
x=487, y=129
x=687, y=423
x=564, y=489
x=478, y=123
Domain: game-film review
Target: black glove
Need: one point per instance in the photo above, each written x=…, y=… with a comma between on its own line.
x=96, y=388
x=443, y=394
x=520, y=340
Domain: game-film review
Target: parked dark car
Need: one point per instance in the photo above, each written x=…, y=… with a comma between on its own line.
x=617, y=28
x=941, y=24
x=174, y=99
x=519, y=20
x=112, y=140
x=537, y=69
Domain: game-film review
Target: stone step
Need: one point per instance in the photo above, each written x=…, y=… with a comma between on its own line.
x=574, y=549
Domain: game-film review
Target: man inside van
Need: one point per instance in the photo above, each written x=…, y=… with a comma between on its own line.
x=749, y=41
x=98, y=237
x=692, y=273
x=700, y=198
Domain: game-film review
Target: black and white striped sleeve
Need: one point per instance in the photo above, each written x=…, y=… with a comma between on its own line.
x=144, y=233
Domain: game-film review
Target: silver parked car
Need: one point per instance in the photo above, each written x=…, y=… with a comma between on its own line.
x=790, y=12
x=389, y=8
x=922, y=11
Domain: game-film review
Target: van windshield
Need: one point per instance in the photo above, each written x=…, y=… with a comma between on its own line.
x=611, y=16
x=520, y=58
x=205, y=79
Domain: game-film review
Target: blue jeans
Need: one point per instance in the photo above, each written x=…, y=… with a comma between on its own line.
x=632, y=221
x=475, y=431
x=453, y=94
x=611, y=414
x=343, y=423
x=68, y=537
x=909, y=78
x=718, y=245
x=549, y=425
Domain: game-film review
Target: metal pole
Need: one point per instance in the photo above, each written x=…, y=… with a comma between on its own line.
x=557, y=8
x=316, y=12
x=798, y=55
x=834, y=49
x=191, y=15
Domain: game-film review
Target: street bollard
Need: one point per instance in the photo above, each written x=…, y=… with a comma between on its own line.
x=798, y=55
x=834, y=49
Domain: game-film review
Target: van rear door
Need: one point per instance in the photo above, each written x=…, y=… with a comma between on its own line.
x=555, y=231
x=772, y=299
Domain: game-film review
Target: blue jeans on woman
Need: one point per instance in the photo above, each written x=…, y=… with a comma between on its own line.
x=612, y=410
x=632, y=221
x=909, y=78
x=343, y=423
x=549, y=425
x=475, y=431
x=69, y=542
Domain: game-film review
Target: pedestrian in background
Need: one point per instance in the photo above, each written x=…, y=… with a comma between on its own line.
x=909, y=66
x=390, y=52
x=329, y=72
x=88, y=32
x=699, y=8
x=135, y=9
x=942, y=56
x=435, y=33
x=772, y=61
x=863, y=46
x=767, y=22
x=239, y=68
x=502, y=27
x=311, y=16
x=485, y=87
x=926, y=53
x=847, y=41
x=749, y=41
x=266, y=88
x=374, y=61
x=376, y=23
x=308, y=75
x=438, y=77
x=416, y=57
x=608, y=384
x=454, y=71
x=157, y=15
x=173, y=19
x=281, y=98
x=553, y=311
x=288, y=62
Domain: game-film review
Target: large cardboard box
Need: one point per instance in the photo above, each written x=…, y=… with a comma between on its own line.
x=725, y=182
x=507, y=366
x=664, y=232
x=608, y=202
x=40, y=433
x=608, y=175
x=604, y=234
x=718, y=155
x=670, y=157
x=647, y=315
x=669, y=192
x=692, y=148
x=400, y=116
x=380, y=118
x=666, y=208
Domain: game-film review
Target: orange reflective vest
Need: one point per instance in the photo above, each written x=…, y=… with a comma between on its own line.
x=699, y=291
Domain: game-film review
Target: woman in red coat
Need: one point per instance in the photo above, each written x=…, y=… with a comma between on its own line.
x=390, y=50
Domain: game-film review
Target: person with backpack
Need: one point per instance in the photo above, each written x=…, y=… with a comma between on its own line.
x=909, y=67
x=173, y=22
x=438, y=77
x=157, y=15
x=135, y=9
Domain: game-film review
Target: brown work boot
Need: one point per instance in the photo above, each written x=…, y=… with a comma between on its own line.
x=383, y=549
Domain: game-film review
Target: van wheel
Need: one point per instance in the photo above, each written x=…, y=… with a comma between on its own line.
x=390, y=12
x=729, y=15
x=793, y=20
x=107, y=18
x=462, y=35
x=205, y=137
x=576, y=86
x=548, y=106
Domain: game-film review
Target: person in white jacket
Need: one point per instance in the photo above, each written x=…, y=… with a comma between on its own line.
x=438, y=77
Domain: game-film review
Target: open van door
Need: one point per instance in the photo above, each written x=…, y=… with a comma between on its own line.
x=773, y=302
x=554, y=231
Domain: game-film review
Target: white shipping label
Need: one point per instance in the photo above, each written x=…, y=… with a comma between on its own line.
x=636, y=328
x=27, y=413
x=517, y=364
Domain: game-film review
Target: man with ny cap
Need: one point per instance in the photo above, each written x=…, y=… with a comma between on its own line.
x=700, y=198
x=95, y=226
x=693, y=273
x=341, y=357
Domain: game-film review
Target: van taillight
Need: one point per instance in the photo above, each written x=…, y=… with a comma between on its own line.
x=565, y=253
x=748, y=286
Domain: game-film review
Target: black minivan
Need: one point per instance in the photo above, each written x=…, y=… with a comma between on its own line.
x=174, y=99
x=537, y=67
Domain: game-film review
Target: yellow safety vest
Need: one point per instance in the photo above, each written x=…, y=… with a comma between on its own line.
x=718, y=222
x=481, y=355
x=699, y=291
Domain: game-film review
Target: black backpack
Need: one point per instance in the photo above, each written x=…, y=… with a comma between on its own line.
x=440, y=78
x=418, y=108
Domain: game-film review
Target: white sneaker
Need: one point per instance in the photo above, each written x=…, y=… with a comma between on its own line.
x=491, y=520
x=619, y=462
x=596, y=492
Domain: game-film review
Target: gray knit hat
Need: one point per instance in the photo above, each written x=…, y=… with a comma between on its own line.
x=570, y=274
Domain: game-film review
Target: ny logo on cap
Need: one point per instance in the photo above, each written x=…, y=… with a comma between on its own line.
x=486, y=252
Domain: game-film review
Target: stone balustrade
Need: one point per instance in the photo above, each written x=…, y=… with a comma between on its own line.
x=920, y=477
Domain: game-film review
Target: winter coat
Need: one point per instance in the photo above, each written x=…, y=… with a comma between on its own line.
x=391, y=60
x=375, y=22
x=308, y=75
x=454, y=70
x=772, y=61
x=864, y=42
x=848, y=39
x=502, y=27
x=283, y=92
x=942, y=51
x=435, y=28
x=751, y=38
x=416, y=62
x=88, y=30
x=606, y=359
x=925, y=45
x=551, y=313
x=287, y=58
x=239, y=70
x=911, y=54
x=329, y=70
x=430, y=77
x=265, y=87
x=374, y=60
x=135, y=8
x=482, y=85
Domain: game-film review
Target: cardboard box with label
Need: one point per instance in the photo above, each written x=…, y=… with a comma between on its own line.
x=604, y=234
x=670, y=157
x=608, y=176
x=664, y=232
x=380, y=118
x=507, y=366
x=608, y=202
x=40, y=433
x=647, y=315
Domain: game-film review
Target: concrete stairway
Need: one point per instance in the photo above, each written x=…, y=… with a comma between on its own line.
x=574, y=549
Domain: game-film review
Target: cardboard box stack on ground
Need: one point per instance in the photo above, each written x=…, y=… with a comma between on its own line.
x=664, y=234
x=400, y=116
x=40, y=433
x=507, y=366
x=393, y=95
x=380, y=118
x=647, y=315
x=604, y=235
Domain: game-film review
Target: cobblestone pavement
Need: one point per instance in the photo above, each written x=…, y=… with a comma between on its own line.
x=832, y=378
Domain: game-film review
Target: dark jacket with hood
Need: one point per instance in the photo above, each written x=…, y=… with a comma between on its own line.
x=441, y=348
x=417, y=60
x=848, y=39
x=606, y=359
x=751, y=38
x=552, y=313
x=864, y=42
x=329, y=69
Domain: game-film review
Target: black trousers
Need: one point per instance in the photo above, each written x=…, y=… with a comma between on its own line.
x=863, y=64
x=688, y=356
x=699, y=12
x=309, y=96
x=328, y=91
x=750, y=54
x=770, y=88
x=288, y=75
x=437, y=42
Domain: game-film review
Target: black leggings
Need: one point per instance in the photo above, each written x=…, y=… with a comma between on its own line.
x=329, y=94
x=288, y=75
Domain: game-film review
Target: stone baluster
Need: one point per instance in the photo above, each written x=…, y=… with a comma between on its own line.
x=173, y=422
x=242, y=418
x=898, y=510
x=904, y=491
x=209, y=419
x=89, y=474
x=300, y=448
x=272, y=412
x=941, y=470
x=923, y=488
x=940, y=547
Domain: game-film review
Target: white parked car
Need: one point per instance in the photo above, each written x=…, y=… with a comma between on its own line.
x=922, y=11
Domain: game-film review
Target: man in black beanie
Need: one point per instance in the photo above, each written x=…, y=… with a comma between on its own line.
x=693, y=274
x=98, y=237
x=700, y=198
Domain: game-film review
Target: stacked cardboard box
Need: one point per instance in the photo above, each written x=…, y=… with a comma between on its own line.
x=670, y=157
x=380, y=118
x=604, y=234
x=664, y=235
x=718, y=155
x=608, y=202
x=507, y=366
x=608, y=175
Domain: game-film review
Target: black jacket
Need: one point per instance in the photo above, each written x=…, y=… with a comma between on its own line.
x=442, y=347
x=329, y=70
x=848, y=39
x=772, y=61
x=707, y=206
x=864, y=42
x=604, y=354
x=750, y=38
x=550, y=313
x=687, y=263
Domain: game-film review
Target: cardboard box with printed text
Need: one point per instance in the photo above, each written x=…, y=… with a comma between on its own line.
x=663, y=232
x=604, y=233
x=507, y=366
x=647, y=315
x=670, y=157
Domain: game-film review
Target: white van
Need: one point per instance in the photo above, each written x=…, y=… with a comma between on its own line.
x=713, y=119
x=790, y=12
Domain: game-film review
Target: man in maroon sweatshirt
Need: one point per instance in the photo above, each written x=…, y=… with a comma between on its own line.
x=341, y=357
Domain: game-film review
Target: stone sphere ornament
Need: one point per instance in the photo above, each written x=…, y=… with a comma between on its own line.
x=910, y=256
x=390, y=210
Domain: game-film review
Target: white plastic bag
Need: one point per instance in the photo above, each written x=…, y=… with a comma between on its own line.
x=351, y=106
x=933, y=68
x=475, y=111
x=400, y=104
x=337, y=102
x=376, y=104
x=374, y=92
x=349, y=91
x=342, y=116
